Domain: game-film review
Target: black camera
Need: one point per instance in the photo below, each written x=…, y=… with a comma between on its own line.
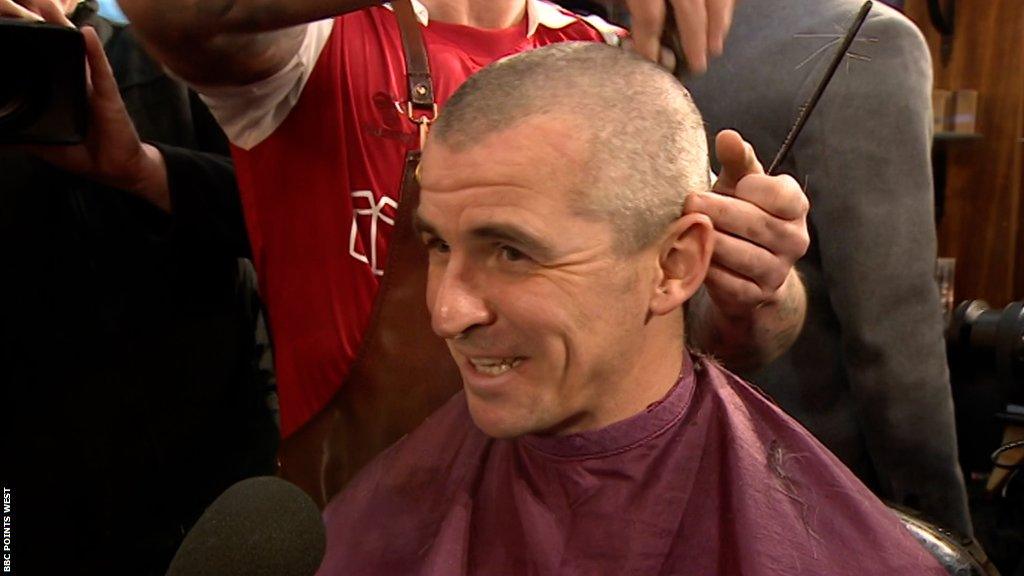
x=982, y=340
x=985, y=348
x=42, y=84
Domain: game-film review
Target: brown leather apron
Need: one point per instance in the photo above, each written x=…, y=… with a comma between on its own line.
x=403, y=371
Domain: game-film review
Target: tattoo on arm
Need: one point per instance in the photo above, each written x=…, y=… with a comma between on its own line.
x=746, y=344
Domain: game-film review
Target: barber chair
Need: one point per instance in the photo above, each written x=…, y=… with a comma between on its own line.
x=959, y=556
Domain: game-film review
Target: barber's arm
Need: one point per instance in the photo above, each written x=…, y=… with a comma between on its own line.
x=228, y=42
x=875, y=229
x=237, y=42
x=753, y=303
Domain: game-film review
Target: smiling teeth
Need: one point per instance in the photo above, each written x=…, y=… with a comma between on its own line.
x=495, y=366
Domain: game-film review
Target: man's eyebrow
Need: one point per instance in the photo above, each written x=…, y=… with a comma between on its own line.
x=513, y=235
x=501, y=232
x=422, y=226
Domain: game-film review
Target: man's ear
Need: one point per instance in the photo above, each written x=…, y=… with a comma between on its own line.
x=684, y=257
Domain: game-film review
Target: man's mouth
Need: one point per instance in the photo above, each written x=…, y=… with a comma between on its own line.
x=495, y=366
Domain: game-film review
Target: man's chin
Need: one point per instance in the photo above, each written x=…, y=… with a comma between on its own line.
x=494, y=422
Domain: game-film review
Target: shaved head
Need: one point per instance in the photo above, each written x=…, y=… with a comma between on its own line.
x=637, y=128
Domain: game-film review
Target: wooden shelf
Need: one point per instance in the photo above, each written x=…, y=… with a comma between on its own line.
x=955, y=136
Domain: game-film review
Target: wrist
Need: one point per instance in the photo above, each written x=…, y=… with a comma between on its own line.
x=150, y=181
x=742, y=317
x=785, y=292
x=749, y=339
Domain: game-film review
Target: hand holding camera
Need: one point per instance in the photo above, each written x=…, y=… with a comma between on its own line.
x=43, y=96
x=68, y=113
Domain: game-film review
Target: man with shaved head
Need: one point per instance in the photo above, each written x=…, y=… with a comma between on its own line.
x=587, y=439
x=326, y=104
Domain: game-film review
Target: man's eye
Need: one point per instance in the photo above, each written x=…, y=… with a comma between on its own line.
x=437, y=245
x=511, y=254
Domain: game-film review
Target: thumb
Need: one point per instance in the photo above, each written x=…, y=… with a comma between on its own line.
x=737, y=158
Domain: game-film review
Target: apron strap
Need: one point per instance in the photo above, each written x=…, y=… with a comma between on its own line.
x=403, y=371
x=420, y=106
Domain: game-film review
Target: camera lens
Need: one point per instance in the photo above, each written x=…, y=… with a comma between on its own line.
x=42, y=84
x=11, y=104
x=15, y=99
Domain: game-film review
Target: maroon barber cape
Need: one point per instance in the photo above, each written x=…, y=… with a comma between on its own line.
x=713, y=479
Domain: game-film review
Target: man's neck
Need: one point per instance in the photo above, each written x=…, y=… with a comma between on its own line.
x=655, y=365
x=656, y=369
x=492, y=14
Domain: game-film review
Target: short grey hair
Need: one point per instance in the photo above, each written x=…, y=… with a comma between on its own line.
x=645, y=141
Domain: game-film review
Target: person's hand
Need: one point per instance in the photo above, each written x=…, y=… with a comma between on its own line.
x=51, y=11
x=702, y=27
x=112, y=153
x=760, y=229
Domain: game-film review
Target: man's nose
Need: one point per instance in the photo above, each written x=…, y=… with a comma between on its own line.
x=458, y=304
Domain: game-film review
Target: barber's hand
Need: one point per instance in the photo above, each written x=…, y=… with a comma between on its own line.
x=112, y=153
x=51, y=11
x=760, y=229
x=702, y=27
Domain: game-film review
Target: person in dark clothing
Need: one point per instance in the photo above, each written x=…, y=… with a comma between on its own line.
x=127, y=340
x=868, y=374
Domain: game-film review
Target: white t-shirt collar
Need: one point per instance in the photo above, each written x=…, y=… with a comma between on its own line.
x=538, y=13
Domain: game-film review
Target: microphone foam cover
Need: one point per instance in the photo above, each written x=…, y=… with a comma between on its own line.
x=260, y=526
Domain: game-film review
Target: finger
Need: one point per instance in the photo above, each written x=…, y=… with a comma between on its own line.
x=719, y=22
x=732, y=293
x=692, y=21
x=787, y=238
x=9, y=9
x=647, y=18
x=737, y=158
x=779, y=196
x=101, y=74
x=667, y=60
x=51, y=12
x=753, y=262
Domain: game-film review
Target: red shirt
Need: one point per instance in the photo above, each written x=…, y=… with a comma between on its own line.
x=320, y=192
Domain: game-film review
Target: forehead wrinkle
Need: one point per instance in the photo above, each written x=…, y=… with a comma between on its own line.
x=452, y=204
x=505, y=221
x=532, y=151
x=574, y=254
x=497, y=216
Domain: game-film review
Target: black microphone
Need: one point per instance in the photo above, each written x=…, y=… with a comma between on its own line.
x=259, y=527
